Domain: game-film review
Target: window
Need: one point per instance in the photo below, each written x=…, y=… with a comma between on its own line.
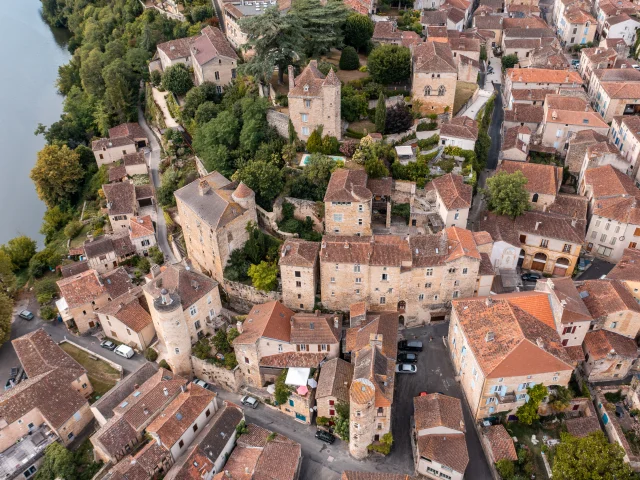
x=427, y=285
x=218, y=89
x=305, y=117
x=597, y=223
x=337, y=217
x=421, y=297
x=305, y=130
x=303, y=348
x=307, y=103
x=333, y=279
x=177, y=350
x=291, y=403
x=324, y=348
x=297, y=274
x=456, y=294
x=195, y=427
x=606, y=227
x=207, y=413
x=456, y=216
x=603, y=238
x=441, y=90
x=197, y=325
x=544, y=243
x=614, y=324
x=383, y=300
x=217, y=75
x=298, y=284
x=359, y=221
x=456, y=283
x=70, y=436
x=246, y=360
x=385, y=277
x=566, y=248
x=429, y=272
x=604, y=251
x=465, y=270
x=452, y=270
x=361, y=208
x=181, y=444
x=435, y=297
x=593, y=235
x=358, y=279
x=193, y=310
x=356, y=268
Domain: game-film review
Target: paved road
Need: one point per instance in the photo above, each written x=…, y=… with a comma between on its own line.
x=495, y=130
x=154, y=163
x=58, y=332
x=596, y=270
x=435, y=374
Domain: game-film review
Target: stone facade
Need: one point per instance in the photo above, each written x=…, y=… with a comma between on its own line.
x=243, y=297
x=434, y=77
x=300, y=272
x=314, y=100
x=361, y=415
x=348, y=203
x=230, y=380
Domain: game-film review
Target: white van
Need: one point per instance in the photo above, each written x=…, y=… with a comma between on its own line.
x=124, y=351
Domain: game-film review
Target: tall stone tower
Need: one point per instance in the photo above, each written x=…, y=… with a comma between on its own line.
x=314, y=100
x=171, y=326
x=245, y=197
x=361, y=417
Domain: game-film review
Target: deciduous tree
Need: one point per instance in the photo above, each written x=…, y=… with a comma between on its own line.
x=264, y=276
x=381, y=114
x=528, y=412
x=57, y=174
x=264, y=178
x=7, y=277
x=389, y=64
x=376, y=168
x=20, y=250
x=58, y=463
x=506, y=194
x=358, y=30
x=177, y=79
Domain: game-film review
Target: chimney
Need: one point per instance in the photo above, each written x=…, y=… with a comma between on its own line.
x=336, y=322
x=203, y=188
x=239, y=326
x=182, y=389
x=246, y=470
x=554, y=115
x=540, y=342
x=165, y=391
x=292, y=82
x=537, y=225
x=586, y=107
x=164, y=296
x=317, y=313
x=489, y=337
x=155, y=271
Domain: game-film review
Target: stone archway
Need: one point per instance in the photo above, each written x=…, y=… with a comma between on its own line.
x=539, y=261
x=402, y=306
x=561, y=267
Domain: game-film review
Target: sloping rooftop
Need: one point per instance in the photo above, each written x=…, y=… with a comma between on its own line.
x=348, y=186
x=311, y=81
x=433, y=57
x=604, y=297
x=82, y=288
x=211, y=44
x=437, y=410
x=543, y=75
x=121, y=198
x=545, y=179
x=453, y=191
x=460, y=127
x=141, y=227
x=188, y=284
x=271, y=320
x=628, y=267
x=500, y=442
x=602, y=343
x=299, y=253
x=335, y=380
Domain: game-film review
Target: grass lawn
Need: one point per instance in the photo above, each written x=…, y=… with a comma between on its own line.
x=464, y=91
x=79, y=239
x=102, y=375
x=524, y=432
x=363, y=125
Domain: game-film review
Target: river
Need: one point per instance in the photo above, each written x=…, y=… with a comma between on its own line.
x=32, y=51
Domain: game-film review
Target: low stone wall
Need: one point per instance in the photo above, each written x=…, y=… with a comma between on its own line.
x=95, y=355
x=243, y=297
x=280, y=121
x=268, y=221
x=229, y=380
x=403, y=191
x=304, y=209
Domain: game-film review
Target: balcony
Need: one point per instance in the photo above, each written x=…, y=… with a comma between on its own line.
x=508, y=397
x=20, y=456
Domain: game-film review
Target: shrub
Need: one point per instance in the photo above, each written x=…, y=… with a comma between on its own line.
x=230, y=361
x=202, y=349
x=156, y=255
x=73, y=228
x=429, y=142
x=325, y=67
x=399, y=119
x=150, y=354
x=48, y=313
x=613, y=397
x=349, y=59
x=163, y=363
x=384, y=446
x=427, y=126
x=45, y=290
x=322, y=421
x=348, y=148
x=506, y=469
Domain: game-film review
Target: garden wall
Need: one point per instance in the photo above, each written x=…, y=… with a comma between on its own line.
x=230, y=380
x=279, y=121
x=304, y=209
x=243, y=297
x=95, y=355
x=268, y=221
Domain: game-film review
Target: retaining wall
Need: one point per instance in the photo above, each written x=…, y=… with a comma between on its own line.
x=230, y=380
x=243, y=297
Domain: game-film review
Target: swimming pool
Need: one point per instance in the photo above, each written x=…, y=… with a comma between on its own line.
x=336, y=158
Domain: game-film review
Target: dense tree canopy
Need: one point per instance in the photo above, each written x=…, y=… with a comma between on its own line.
x=57, y=174
x=358, y=30
x=322, y=24
x=389, y=64
x=177, y=79
x=506, y=194
x=20, y=250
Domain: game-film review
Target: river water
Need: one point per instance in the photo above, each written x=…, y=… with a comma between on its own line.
x=31, y=54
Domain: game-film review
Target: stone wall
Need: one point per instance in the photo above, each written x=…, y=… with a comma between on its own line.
x=268, y=221
x=243, y=297
x=279, y=121
x=403, y=191
x=230, y=380
x=304, y=209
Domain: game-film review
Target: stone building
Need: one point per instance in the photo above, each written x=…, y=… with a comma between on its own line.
x=106, y=252
x=142, y=234
x=625, y=135
x=126, y=320
x=348, y=203
x=453, y=199
x=314, y=101
x=273, y=336
x=543, y=181
x=434, y=77
x=183, y=306
x=214, y=213
x=608, y=355
x=123, y=140
x=439, y=437
x=612, y=306
x=415, y=276
x=528, y=78
x=333, y=386
x=627, y=271
x=300, y=273
x=490, y=337
x=460, y=132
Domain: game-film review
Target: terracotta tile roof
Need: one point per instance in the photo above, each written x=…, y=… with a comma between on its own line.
x=604, y=297
x=601, y=343
x=482, y=238
x=574, y=206
x=121, y=198
x=313, y=79
x=129, y=130
x=532, y=302
x=437, y=410
x=582, y=426
x=545, y=179
x=523, y=113
x=512, y=138
x=461, y=244
x=141, y=227
x=453, y=191
x=179, y=48
x=189, y=285
x=460, y=127
x=616, y=75
x=117, y=173
x=488, y=22
x=622, y=209
x=127, y=309
x=607, y=181
x=465, y=44
x=436, y=32
x=527, y=33
x=348, y=186
x=572, y=111
x=632, y=122
x=374, y=376
x=543, y=75
x=386, y=31
x=551, y=225
x=271, y=320
x=500, y=228
x=573, y=308
x=299, y=253
x=352, y=475
x=628, y=267
x=430, y=57
x=526, y=9
x=151, y=455
x=315, y=328
x=383, y=324
x=102, y=245
x=104, y=143
x=178, y=416
x=243, y=191
x=335, y=380
x=210, y=198
x=447, y=449
x=278, y=461
x=81, y=289
x=122, y=245
x=357, y=309
x=132, y=159
x=622, y=90
x=380, y=186
x=529, y=43
x=239, y=461
x=532, y=94
x=211, y=44
x=293, y=359
x=486, y=267
x=410, y=38
x=577, y=15
x=74, y=268
x=578, y=145
x=508, y=341
x=500, y=442
x=575, y=353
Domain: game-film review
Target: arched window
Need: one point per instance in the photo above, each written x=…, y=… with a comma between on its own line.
x=534, y=199
x=441, y=90
x=427, y=91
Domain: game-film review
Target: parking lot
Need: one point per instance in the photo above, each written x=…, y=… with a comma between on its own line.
x=435, y=374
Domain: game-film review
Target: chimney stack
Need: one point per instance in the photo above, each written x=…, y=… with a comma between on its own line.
x=292, y=82
x=239, y=326
x=537, y=225
x=336, y=322
x=203, y=188
x=165, y=391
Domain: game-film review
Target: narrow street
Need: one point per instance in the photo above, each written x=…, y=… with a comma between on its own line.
x=495, y=130
x=154, y=164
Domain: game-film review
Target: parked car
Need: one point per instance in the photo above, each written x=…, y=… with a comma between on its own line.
x=124, y=351
x=26, y=314
x=14, y=372
x=10, y=383
x=410, y=345
x=108, y=344
x=249, y=401
x=530, y=277
x=407, y=358
x=201, y=383
x=326, y=437
x=406, y=368
x=637, y=67
x=490, y=70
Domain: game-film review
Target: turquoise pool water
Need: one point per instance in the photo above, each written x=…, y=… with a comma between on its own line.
x=336, y=158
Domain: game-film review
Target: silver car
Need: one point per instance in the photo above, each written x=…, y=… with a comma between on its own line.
x=406, y=368
x=249, y=401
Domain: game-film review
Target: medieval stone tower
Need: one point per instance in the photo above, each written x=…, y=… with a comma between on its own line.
x=361, y=417
x=314, y=100
x=172, y=329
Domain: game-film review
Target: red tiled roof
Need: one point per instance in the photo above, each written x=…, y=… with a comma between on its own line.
x=271, y=320
x=453, y=191
x=81, y=289
x=603, y=297
x=602, y=343
x=500, y=442
x=141, y=227
x=545, y=179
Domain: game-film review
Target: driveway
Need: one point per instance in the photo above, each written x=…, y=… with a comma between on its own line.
x=58, y=332
x=435, y=374
x=154, y=163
